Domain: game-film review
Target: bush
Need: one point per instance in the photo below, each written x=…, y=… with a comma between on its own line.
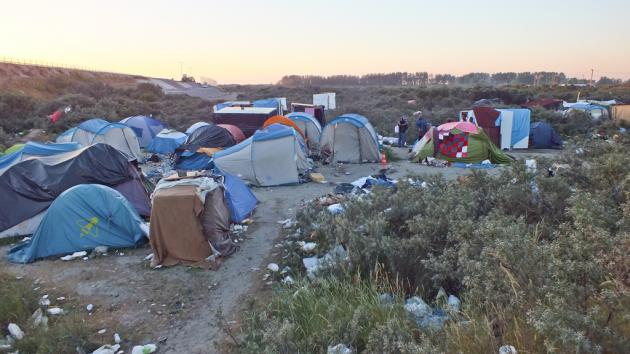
x=539, y=262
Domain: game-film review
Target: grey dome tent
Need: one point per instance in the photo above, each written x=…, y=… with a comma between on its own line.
x=350, y=138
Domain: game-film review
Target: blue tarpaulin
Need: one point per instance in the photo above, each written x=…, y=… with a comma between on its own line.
x=81, y=218
x=166, y=142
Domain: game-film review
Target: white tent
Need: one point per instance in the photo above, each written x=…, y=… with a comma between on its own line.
x=273, y=156
x=310, y=127
x=350, y=138
x=117, y=135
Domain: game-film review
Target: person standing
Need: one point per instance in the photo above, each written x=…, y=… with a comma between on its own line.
x=421, y=123
x=403, y=126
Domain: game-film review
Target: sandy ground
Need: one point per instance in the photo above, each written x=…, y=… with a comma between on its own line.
x=181, y=303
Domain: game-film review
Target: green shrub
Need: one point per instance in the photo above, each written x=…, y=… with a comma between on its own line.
x=539, y=262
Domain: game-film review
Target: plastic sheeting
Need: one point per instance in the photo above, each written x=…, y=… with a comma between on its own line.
x=29, y=187
x=210, y=136
x=82, y=218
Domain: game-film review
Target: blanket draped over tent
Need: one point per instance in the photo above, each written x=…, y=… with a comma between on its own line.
x=458, y=142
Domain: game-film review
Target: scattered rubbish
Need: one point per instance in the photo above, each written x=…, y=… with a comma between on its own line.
x=61, y=298
x=288, y=280
x=314, y=264
x=347, y=189
x=144, y=349
x=107, y=349
x=273, y=267
x=117, y=338
x=530, y=165
x=162, y=339
x=266, y=276
x=255, y=269
x=285, y=270
x=102, y=331
x=288, y=223
x=307, y=246
x=15, y=331
x=19, y=278
x=424, y=315
x=55, y=311
x=74, y=256
x=38, y=319
x=507, y=349
x=89, y=307
x=386, y=299
x=339, y=349
x=100, y=249
x=317, y=177
x=454, y=303
x=86, y=258
x=335, y=209
x=44, y=301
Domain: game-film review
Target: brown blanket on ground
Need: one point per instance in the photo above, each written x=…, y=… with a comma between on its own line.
x=176, y=233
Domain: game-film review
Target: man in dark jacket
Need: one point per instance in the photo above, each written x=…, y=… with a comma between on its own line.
x=403, y=126
x=422, y=124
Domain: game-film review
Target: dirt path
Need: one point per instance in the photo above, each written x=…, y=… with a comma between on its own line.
x=180, y=303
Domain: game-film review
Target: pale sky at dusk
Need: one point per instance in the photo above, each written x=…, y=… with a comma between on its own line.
x=249, y=41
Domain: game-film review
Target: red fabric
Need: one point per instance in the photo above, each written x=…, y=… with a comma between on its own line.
x=486, y=116
x=55, y=116
x=494, y=134
x=455, y=145
x=235, y=131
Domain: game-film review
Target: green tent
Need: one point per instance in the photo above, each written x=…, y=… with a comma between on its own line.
x=479, y=148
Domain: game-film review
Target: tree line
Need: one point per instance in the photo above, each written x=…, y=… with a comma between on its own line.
x=425, y=79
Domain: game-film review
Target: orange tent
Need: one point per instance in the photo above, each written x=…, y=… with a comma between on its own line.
x=285, y=121
x=235, y=131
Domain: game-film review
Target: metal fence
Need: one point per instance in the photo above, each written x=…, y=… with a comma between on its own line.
x=53, y=65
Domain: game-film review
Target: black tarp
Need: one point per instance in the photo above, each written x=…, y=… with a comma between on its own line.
x=29, y=187
x=208, y=136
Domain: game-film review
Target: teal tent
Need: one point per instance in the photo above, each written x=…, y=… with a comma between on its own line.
x=81, y=218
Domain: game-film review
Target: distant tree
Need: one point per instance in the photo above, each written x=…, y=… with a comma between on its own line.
x=604, y=80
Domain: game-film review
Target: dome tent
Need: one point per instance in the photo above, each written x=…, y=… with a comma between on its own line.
x=543, y=136
x=350, y=138
x=310, y=126
x=146, y=128
x=195, y=126
x=118, y=135
x=458, y=142
x=166, y=141
x=284, y=121
x=272, y=156
x=80, y=219
x=211, y=137
x=66, y=136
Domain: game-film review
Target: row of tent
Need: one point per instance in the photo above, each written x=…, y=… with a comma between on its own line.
x=73, y=198
x=278, y=152
x=597, y=109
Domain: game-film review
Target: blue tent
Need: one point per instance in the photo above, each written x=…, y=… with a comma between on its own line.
x=240, y=199
x=146, y=128
x=32, y=149
x=66, y=136
x=543, y=136
x=166, y=142
x=81, y=218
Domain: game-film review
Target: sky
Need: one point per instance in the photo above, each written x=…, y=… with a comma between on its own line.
x=252, y=41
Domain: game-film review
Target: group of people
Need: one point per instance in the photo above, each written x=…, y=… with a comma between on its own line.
x=402, y=127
